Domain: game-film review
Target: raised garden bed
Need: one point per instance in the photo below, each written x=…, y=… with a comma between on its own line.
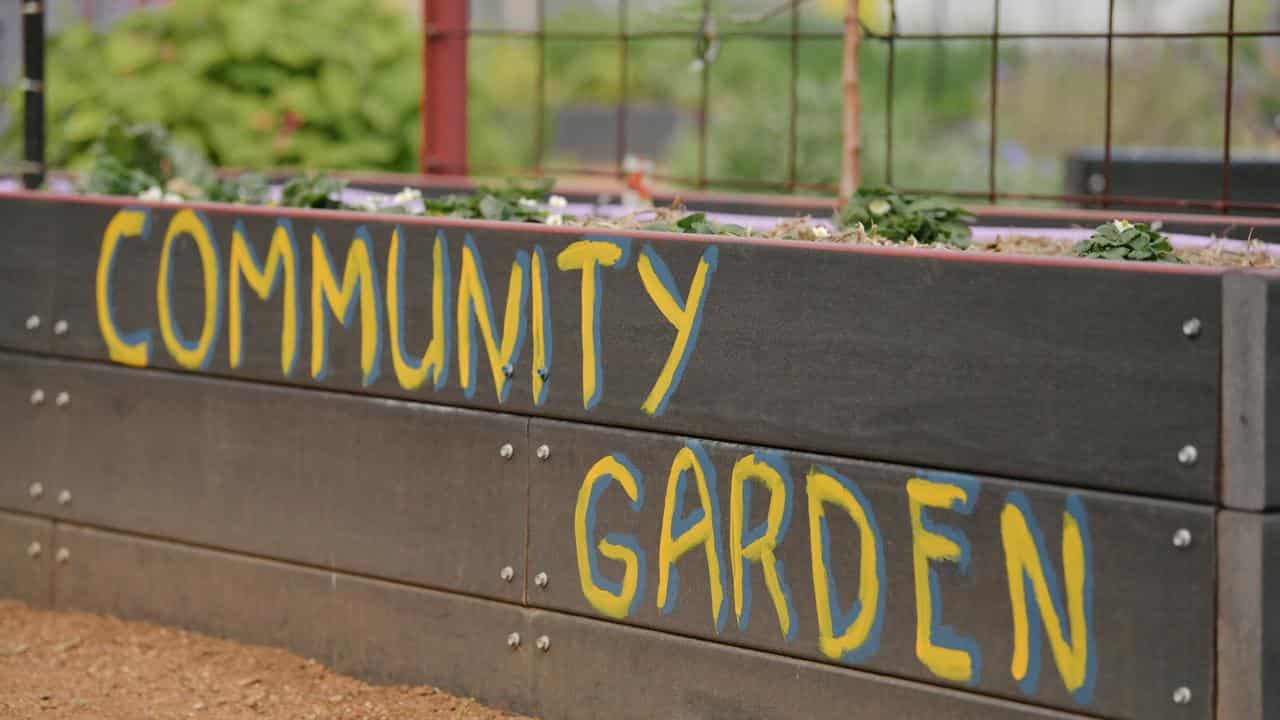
x=1017, y=476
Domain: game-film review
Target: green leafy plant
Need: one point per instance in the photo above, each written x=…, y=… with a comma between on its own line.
x=517, y=201
x=696, y=224
x=145, y=160
x=313, y=190
x=893, y=216
x=1121, y=240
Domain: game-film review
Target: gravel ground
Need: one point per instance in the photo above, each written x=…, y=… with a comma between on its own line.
x=75, y=665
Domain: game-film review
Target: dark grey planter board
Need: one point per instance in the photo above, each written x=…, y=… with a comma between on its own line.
x=1053, y=371
x=589, y=669
x=390, y=489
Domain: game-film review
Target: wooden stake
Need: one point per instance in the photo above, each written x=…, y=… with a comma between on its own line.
x=851, y=169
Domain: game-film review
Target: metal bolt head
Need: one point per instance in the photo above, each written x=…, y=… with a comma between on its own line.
x=1188, y=455
x=37, y=397
x=63, y=555
x=506, y=451
x=1182, y=695
x=63, y=399
x=1182, y=538
x=513, y=640
x=543, y=373
x=1191, y=328
x=33, y=322
x=34, y=550
x=64, y=497
x=507, y=573
x=541, y=580
x=543, y=643
x=36, y=490
x=61, y=327
x=1097, y=182
x=543, y=452
x=508, y=371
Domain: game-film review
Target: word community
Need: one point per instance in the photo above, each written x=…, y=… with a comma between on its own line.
x=463, y=313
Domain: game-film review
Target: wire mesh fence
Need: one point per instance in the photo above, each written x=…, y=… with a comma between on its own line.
x=1112, y=103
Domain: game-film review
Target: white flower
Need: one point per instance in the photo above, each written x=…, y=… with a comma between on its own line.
x=879, y=206
x=820, y=231
x=558, y=202
x=528, y=203
x=556, y=219
x=406, y=196
x=1121, y=225
x=152, y=193
x=369, y=204
x=173, y=198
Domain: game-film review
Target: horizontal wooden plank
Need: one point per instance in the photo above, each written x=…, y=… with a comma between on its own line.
x=594, y=669
x=391, y=489
x=904, y=571
x=379, y=631
x=589, y=669
x=26, y=559
x=1062, y=372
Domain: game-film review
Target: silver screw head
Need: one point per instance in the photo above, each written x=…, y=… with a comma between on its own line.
x=543, y=452
x=34, y=549
x=513, y=640
x=36, y=490
x=63, y=555
x=1182, y=538
x=33, y=322
x=507, y=573
x=508, y=371
x=64, y=497
x=61, y=327
x=37, y=397
x=1188, y=455
x=541, y=580
x=1182, y=695
x=63, y=399
x=543, y=643
x=1191, y=328
x=543, y=373
x=506, y=451
x=1097, y=182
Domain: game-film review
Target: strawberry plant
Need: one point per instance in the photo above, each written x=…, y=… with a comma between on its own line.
x=885, y=213
x=1121, y=240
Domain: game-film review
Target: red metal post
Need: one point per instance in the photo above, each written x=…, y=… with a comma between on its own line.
x=444, y=87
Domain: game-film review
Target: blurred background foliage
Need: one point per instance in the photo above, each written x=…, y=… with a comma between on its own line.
x=258, y=84
x=336, y=85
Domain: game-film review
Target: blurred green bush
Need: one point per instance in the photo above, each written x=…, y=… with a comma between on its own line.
x=268, y=83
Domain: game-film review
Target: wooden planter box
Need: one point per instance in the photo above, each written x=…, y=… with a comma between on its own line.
x=1001, y=487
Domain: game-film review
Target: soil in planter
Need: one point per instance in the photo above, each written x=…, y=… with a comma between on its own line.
x=75, y=665
x=1221, y=253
